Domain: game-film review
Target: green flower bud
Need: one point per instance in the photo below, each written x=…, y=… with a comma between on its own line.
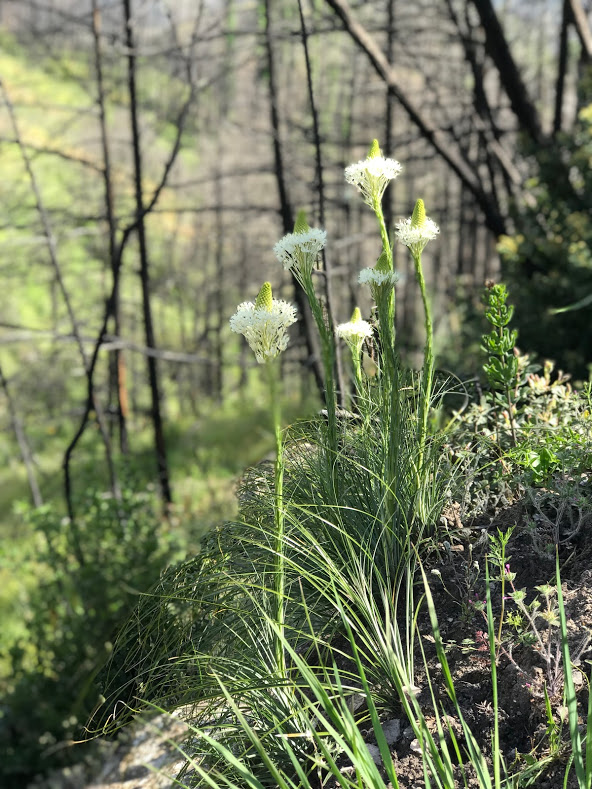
x=264, y=300
x=374, y=150
x=418, y=217
x=382, y=264
x=301, y=225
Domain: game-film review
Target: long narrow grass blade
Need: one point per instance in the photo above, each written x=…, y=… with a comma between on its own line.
x=385, y=753
x=495, y=748
x=252, y=735
x=570, y=692
x=475, y=754
x=218, y=780
x=589, y=737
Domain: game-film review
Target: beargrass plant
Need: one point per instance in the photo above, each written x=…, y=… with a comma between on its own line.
x=309, y=599
x=332, y=742
x=264, y=325
x=295, y=632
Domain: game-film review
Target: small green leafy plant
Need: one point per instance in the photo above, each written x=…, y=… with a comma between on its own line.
x=501, y=367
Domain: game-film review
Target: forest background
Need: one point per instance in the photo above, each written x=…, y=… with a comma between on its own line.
x=152, y=154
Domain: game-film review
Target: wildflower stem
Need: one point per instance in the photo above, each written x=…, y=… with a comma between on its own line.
x=328, y=355
x=511, y=416
x=388, y=250
x=357, y=367
x=391, y=404
x=385, y=302
x=427, y=375
x=502, y=613
x=493, y=655
x=386, y=244
x=279, y=574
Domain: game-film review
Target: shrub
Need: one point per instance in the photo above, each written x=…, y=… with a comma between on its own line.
x=89, y=577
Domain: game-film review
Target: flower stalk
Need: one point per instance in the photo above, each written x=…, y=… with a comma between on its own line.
x=264, y=324
x=355, y=332
x=372, y=176
x=415, y=233
x=298, y=252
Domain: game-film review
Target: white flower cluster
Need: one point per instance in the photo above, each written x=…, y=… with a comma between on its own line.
x=374, y=276
x=354, y=332
x=300, y=250
x=416, y=236
x=264, y=330
x=372, y=175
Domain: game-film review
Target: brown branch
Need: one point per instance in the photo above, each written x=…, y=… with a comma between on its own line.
x=484, y=119
x=120, y=248
x=117, y=367
x=452, y=156
x=21, y=438
x=54, y=152
x=582, y=27
x=562, y=65
x=496, y=46
x=319, y=185
x=141, y=211
x=92, y=402
x=110, y=343
x=287, y=212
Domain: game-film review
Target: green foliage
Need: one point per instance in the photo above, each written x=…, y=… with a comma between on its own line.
x=89, y=579
x=543, y=427
x=548, y=260
x=502, y=365
x=306, y=733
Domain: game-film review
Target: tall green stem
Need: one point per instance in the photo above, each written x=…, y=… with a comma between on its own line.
x=427, y=374
x=390, y=393
x=495, y=746
x=358, y=386
x=328, y=355
x=279, y=574
x=385, y=303
x=386, y=244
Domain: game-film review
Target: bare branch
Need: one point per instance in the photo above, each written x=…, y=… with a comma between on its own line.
x=451, y=154
x=582, y=26
x=21, y=438
x=54, y=152
x=92, y=401
x=498, y=50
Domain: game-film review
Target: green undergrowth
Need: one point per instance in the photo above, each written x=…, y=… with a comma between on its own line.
x=308, y=620
x=62, y=597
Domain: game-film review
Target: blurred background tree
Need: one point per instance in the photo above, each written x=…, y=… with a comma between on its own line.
x=548, y=261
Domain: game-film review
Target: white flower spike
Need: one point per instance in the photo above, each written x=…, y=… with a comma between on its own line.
x=299, y=250
x=417, y=231
x=372, y=175
x=355, y=332
x=264, y=324
x=378, y=276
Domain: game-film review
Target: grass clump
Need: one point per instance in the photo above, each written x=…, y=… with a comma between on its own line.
x=308, y=621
